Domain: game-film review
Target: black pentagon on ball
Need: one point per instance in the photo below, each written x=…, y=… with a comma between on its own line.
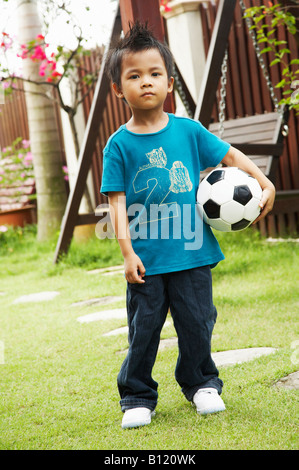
x=240, y=225
x=212, y=209
x=242, y=194
x=216, y=175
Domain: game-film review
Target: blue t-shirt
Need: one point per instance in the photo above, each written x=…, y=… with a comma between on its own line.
x=160, y=173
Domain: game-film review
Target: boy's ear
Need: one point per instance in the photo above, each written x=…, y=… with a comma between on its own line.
x=170, y=84
x=117, y=90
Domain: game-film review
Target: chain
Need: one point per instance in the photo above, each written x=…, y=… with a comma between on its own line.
x=182, y=95
x=222, y=103
x=261, y=60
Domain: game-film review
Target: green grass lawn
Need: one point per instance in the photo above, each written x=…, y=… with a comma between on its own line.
x=58, y=376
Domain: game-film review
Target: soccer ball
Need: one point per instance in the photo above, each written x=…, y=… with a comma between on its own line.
x=228, y=199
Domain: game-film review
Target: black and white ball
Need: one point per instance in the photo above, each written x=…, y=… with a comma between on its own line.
x=229, y=199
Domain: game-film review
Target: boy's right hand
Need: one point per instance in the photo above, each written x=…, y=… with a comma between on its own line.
x=134, y=269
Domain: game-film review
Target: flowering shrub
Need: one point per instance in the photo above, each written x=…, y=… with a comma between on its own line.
x=164, y=5
x=17, y=185
x=36, y=51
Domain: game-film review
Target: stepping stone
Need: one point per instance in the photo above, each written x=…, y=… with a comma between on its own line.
x=222, y=358
x=105, y=270
x=37, y=297
x=118, y=331
x=112, y=273
x=237, y=356
x=290, y=382
x=104, y=315
x=125, y=329
x=98, y=301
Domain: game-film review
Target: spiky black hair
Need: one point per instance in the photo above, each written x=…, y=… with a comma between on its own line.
x=138, y=38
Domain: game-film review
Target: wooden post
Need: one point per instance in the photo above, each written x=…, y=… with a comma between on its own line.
x=218, y=45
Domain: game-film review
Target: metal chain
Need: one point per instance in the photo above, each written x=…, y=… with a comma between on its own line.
x=261, y=61
x=222, y=103
x=182, y=95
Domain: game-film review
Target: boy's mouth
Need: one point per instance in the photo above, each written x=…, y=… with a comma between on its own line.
x=148, y=93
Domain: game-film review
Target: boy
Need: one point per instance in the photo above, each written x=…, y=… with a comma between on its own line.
x=151, y=167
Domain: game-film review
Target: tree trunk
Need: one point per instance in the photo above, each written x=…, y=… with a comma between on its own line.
x=44, y=136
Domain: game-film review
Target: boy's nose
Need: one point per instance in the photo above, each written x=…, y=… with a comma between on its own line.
x=146, y=82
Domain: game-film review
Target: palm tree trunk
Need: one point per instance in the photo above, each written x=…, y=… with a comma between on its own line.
x=44, y=136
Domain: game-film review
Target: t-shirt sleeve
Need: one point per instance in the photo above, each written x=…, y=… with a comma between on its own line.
x=113, y=178
x=212, y=149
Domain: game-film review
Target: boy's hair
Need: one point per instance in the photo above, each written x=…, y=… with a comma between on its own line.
x=138, y=38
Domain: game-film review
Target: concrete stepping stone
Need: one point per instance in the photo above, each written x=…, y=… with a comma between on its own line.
x=104, y=315
x=226, y=358
x=222, y=358
x=118, y=331
x=238, y=356
x=36, y=297
x=125, y=329
x=290, y=382
x=105, y=270
x=98, y=301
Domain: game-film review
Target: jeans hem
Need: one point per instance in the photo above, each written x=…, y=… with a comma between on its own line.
x=190, y=392
x=129, y=403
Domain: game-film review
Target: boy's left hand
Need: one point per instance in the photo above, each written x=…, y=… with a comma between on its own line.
x=267, y=202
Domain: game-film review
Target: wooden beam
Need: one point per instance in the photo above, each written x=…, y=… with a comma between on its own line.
x=260, y=149
x=87, y=149
x=218, y=45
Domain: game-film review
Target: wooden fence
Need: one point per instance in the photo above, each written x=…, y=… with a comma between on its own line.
x=247, y=94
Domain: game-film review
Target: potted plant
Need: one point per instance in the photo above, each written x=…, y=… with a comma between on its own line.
x=17, y=184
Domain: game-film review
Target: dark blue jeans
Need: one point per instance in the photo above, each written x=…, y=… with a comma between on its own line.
x=188, y=294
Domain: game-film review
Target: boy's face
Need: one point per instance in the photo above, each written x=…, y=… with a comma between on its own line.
x=144, y=80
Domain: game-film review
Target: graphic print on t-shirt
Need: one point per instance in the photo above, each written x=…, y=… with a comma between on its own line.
x=164, y=183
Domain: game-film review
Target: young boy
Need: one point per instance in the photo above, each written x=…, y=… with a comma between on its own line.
x=151, y=168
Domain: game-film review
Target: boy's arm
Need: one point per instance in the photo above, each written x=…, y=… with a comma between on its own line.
x=134, y=269
x=236, y=158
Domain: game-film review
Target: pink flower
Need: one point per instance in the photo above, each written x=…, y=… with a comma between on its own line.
x=39, y=54
x=28, y=157
x=40, y=36
x=3, y=228
x=26, y=143
x=5, y=85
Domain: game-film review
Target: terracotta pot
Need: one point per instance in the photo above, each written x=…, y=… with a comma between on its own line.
x=18, y=217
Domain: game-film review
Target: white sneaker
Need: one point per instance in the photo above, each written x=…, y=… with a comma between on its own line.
x=136, y=417
x=207, y=400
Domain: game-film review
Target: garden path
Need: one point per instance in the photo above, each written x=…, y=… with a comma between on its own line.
x=222, y=358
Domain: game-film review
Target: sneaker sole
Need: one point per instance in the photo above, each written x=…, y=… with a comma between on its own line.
x=207, y=411
x=138, y=423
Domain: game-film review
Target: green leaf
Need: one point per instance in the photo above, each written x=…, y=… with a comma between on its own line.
x=266, y=49
x=275, y=61
x=281, y=84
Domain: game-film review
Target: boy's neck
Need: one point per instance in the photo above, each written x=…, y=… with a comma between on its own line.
x=147, y=122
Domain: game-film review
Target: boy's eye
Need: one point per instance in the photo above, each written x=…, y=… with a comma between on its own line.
x=155, y=74
x=133, y=77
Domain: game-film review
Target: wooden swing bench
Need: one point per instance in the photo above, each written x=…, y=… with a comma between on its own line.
x=260, y=137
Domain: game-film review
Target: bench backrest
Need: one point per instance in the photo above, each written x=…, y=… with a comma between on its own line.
x=257, y=134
